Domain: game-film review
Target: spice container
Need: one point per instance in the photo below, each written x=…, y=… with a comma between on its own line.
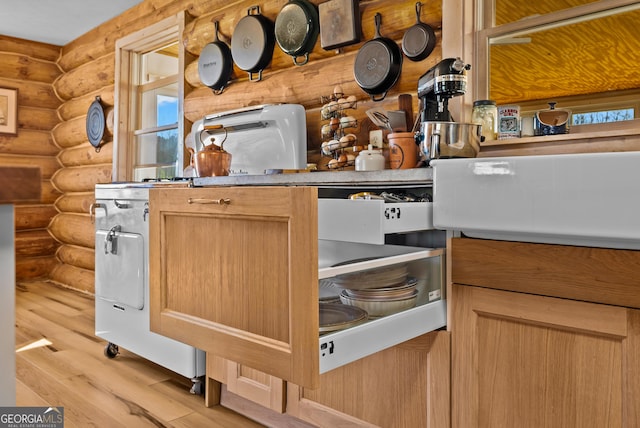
x=508, y=121
x=485, y=113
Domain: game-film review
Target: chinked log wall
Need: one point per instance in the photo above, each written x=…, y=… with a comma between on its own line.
x=31, y=68
x=88, y=70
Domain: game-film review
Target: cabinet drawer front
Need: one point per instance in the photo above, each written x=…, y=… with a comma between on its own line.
x=368, y=221
x=232, y=268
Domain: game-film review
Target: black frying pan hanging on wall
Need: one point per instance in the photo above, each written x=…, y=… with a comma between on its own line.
x=252, y=43
x=96, y=123
x=215, y=64
x=297, y=27
x=378, y=64
x=419, y=40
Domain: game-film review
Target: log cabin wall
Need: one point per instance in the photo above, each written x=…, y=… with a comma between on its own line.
x=88, y=65
x=30, y=67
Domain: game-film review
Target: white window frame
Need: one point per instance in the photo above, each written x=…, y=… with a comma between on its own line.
x=126, y=96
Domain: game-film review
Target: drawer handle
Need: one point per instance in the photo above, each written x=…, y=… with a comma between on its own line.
x=221, y=201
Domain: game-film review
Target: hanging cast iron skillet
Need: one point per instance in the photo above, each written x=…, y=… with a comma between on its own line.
x=378, y=64
x=419, y=40
x=252, y=43
x=96, y=123
x=297, y=28
x=215, y=64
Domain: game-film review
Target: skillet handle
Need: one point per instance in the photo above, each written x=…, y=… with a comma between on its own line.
x=377, y=19
x=382, y=96
x=251, y=79
x=306, y=60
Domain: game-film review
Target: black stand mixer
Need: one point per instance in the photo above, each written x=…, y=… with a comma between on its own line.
x=439, y=136
x=445, y=80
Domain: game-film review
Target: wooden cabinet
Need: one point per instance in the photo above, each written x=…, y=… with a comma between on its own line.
x=234, y=271
x=253, y=385
x=229, y=270
x=403, y=386
x=529, y=350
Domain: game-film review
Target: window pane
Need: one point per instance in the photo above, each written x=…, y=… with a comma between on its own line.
x=159, y=106
x=167, y=110
x=159, y=63
x=603, y=116
x=157, y=155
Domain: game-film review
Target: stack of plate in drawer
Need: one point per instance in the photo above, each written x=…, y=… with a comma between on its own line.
x=382, y=301
x=387, y=276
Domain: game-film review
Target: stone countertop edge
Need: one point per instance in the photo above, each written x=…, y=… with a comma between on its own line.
x=386, y=177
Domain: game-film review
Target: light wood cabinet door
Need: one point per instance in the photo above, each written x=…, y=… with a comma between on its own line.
x=253, y=385
x=521, y=360
x=405, y=386
x=234, y=271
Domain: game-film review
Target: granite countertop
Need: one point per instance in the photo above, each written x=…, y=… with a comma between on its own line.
x=387, y=177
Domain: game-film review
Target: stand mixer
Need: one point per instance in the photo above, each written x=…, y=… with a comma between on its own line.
x=439, y=135
x=445, y=80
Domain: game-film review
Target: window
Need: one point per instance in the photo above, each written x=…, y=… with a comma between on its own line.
x=148, y=140
x=608, y=116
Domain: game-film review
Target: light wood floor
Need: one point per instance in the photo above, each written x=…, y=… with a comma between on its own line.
x=67, y=367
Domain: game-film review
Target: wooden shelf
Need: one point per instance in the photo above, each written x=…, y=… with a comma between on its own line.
x=622, y=137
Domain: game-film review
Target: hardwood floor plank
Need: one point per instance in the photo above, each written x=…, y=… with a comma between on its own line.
x=77, y=410
x=213, y=417
x=34, y=326
x=72, y=371
x=127, y=387
x=45, y=359
x=219, y=417
x=75, y=299
x=49, y=304
x=127, y=412
x=25, y=396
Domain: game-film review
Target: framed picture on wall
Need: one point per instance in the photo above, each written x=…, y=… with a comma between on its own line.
x=8, y=111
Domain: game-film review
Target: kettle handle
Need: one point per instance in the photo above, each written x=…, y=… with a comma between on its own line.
x=208, y=128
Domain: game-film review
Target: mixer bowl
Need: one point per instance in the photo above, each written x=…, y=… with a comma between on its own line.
x=449, y=139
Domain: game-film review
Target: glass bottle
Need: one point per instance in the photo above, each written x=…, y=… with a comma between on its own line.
x=485, y=113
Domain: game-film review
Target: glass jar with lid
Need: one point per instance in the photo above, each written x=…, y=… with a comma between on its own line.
x=485, y=113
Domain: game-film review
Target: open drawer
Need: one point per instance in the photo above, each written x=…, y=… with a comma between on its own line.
x=234, y=271
x=375, y=219
x=425, y=266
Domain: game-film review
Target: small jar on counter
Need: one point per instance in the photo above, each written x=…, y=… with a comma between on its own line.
x=485, y=113
x=370, y=160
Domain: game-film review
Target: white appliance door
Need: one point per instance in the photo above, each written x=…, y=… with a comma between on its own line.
x=120, y=273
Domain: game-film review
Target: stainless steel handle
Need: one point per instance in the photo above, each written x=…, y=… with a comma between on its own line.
x=92, y=210
x=221, y=201
x=111, y=240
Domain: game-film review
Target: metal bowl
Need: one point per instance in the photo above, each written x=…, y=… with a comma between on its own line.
x=449, y=139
